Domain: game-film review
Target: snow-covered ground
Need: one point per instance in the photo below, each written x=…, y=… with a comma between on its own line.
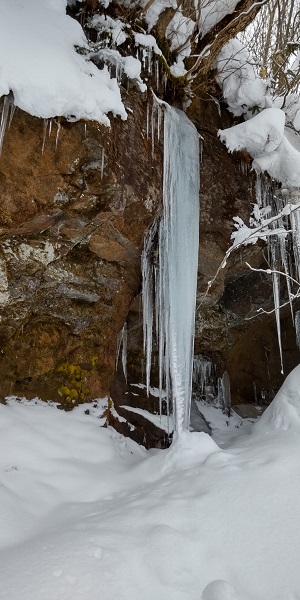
x=88, y=515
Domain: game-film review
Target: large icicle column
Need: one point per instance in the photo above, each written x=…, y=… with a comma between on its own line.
x=176, y=280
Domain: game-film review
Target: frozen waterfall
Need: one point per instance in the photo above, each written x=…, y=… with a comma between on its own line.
x=175, y=277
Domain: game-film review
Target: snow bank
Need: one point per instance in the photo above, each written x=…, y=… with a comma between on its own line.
x=39, y=64
x=85, y=513
x=284, y=411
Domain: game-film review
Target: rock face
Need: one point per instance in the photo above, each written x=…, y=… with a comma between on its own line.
x=72, y=223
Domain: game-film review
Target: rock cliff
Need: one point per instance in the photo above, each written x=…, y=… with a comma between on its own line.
x=76, y=202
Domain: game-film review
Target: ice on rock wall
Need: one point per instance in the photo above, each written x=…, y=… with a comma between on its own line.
x=8, y=109
x=202, y=371
x=223, y=392
x=122, y=343
x=176, y=276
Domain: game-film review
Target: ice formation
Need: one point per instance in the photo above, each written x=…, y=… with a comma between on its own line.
x=8, y=109
x=223, y=392
x=122, y=343
x=202, y=371
x=176, y=274
x=276, y=220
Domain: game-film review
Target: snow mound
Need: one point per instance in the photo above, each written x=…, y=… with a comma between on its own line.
x=261, y=134
x=39, y=64
x=284, y=412
x=220, y=590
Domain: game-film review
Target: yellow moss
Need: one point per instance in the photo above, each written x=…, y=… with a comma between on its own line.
x=63, y=390
x=94, y=359
x=73, y=389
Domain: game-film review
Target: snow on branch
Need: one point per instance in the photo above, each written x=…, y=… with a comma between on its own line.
x=45, y=73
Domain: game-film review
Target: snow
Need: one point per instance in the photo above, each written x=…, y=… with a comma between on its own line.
x=114, y=27
x=179, y=32
x=260, y=135
x=164, y=422
x=264, y=138
x=284, y=412
x=242, y=87
x=155, y=10
x=147, y=41
x=87, y=514
x=45, y=73
x=213, y=11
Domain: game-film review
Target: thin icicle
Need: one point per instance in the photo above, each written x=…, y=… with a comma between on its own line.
x=147, y=297
x=45, y=127
x=202, y=370
x=224, y=394
x=12, y=112
x=276, y=296
x=157, y=73
x=159, y=119
x=297, y=328
x=102, y=162
x=122, y=343
x=124, y=351
x=57, y=134
x=148, y=119
x=284, y=260
x=6, y=116
x=153, y=114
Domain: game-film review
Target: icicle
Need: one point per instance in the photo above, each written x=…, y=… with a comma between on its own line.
x=50, y=126
x=276, y=295
x=124, y=351
x=147, y=297
x=57, y=134
x=148, y=119
x=159, y=117
x=45, y=127
x=297, y=328
x=295, y=225
x=153, y=112
x=176, y=275
x=284, y=260
x=178, y=248
x=102, y=162
x=224, y=395
x=7, y=114
x=157, y=73
x=122, y=342
x=202, y=370
x=12, y=112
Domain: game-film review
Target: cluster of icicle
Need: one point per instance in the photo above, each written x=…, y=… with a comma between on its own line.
x=170, y=277
x=211, y=388
x=283, y=249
